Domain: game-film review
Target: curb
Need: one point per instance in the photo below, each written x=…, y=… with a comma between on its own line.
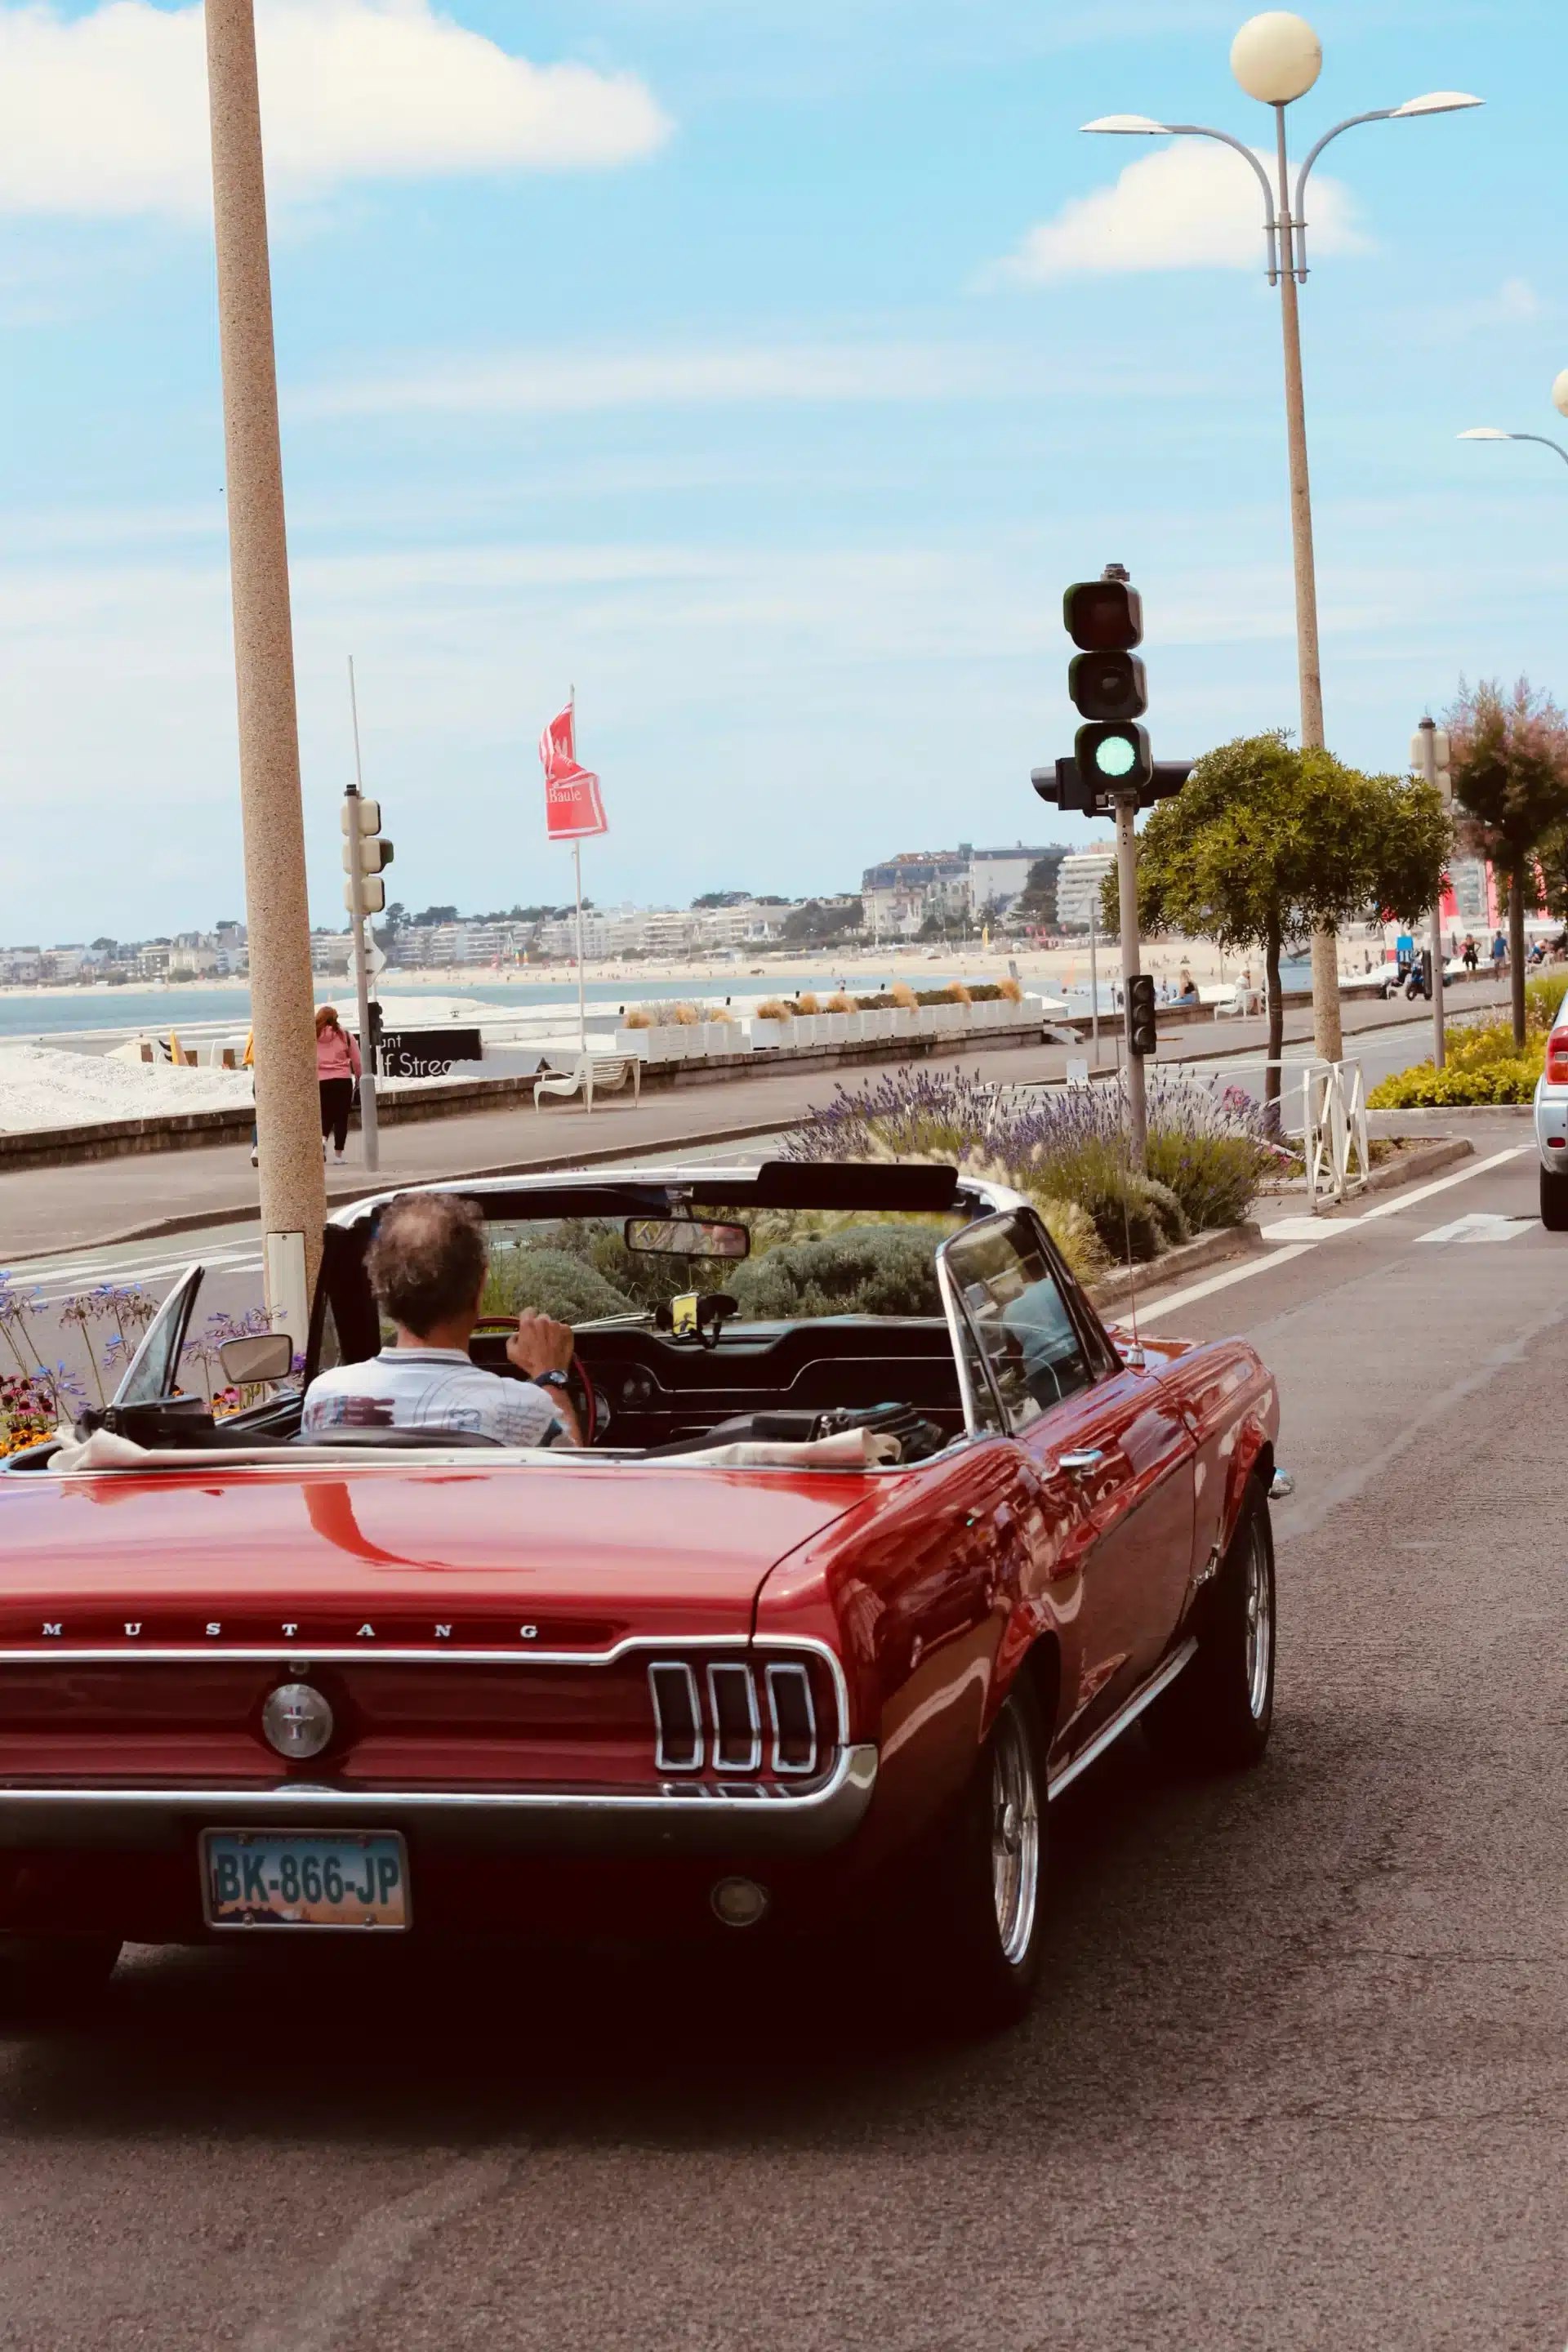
x=1458, y=1112
x=1188, y=1257
x=1441, y=1153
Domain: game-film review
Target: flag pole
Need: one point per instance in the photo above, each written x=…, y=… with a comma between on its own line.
x=577, y=868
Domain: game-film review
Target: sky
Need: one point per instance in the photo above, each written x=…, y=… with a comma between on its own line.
x=764, y=370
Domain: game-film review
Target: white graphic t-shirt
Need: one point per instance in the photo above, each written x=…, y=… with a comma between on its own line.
x=432, y=1388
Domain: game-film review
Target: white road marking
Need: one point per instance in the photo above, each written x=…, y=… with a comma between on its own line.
x=375, y=2254
x=1404, y=1200
x=1281, y=1257
x=1477, y=1227
x=1233, y=1274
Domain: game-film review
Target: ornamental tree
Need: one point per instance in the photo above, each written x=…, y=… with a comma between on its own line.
x=1510, y=765
x=1265, y=841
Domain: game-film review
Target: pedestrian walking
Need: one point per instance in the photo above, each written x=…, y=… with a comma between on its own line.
x=1472, y=955
x=1499, y=956
x=337, y=1068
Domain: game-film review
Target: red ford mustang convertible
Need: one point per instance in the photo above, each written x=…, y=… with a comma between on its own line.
x=879, y=1540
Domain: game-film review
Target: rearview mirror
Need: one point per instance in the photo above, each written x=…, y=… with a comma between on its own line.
x=266, y=1356
x=686, y=1237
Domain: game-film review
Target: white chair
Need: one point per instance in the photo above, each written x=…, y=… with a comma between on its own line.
x=592, y=1073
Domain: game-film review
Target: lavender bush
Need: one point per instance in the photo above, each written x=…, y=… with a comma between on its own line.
x=1208, y=1150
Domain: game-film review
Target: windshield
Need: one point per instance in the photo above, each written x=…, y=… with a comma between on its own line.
x=803, y=1264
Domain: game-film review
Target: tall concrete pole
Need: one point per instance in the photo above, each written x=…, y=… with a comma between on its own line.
x=1328, y=1042
x=293, y=1184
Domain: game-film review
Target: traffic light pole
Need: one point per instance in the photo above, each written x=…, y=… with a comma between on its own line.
x=1127, y=895
x=369, y=1135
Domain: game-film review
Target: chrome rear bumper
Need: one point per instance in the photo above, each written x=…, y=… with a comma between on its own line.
x=676, y=1818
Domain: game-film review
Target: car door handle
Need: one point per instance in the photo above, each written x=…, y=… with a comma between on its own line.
x=1081, y=1465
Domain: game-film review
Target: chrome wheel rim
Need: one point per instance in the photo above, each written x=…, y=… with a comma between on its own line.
x=1015, y=1836
x=1259, y=1623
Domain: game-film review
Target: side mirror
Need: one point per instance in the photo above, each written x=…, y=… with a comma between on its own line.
x=267, y=1356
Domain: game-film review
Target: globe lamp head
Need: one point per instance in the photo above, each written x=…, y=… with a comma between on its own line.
x=1277, y=56
x=1560, y=394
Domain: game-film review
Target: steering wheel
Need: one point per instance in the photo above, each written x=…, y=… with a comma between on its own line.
x=579, y=1387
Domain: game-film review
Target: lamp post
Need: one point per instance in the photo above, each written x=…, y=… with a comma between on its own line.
x=1276, y=58
x=282, y=999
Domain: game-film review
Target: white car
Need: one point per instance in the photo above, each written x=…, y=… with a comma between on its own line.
x=1552, y=1126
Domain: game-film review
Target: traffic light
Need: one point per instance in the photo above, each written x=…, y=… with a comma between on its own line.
x=362, y=839
x=1066, y=785
x=1107, y=684
x=1141, y=1037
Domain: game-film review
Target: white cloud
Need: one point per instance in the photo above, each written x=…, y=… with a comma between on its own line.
x=107, y=113
x=527, y=384
x=1191, y=205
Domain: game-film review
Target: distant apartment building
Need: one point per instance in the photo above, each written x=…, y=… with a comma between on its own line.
x=999, y=877
x=907, y=891
x=904, y=893
x=1078, y=878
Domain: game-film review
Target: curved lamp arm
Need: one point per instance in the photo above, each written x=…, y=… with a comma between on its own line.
x=1270, y=227
x=1434, y=102
x=1379, y=114
x=1491, y=433
x=1142, y=126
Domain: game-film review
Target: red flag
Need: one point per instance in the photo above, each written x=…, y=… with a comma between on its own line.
x=572, y=807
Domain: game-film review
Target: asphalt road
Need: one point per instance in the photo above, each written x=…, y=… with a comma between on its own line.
x=1296, y=2077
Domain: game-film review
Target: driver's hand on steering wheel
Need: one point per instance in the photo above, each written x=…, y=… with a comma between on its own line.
x=539, y=1345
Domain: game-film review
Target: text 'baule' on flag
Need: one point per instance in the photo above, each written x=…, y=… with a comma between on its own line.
x=573, y=808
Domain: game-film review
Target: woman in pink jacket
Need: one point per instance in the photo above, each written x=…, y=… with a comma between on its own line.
x=337, y=1067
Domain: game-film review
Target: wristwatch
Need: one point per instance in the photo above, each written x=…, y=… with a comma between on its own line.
x=550, y=1381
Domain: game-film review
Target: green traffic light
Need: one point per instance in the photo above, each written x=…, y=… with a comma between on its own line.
x=1115, y=756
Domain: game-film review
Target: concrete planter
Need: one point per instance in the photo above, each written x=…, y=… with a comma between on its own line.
x=769, y=1033
x=906, y=1020
x=833, y=1028
x=634, y=1042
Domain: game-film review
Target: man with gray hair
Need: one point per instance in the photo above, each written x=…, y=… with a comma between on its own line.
x=427, y=1266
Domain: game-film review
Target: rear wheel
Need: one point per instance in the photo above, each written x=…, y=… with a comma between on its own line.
x=1218, y=1714
x=1553, y=1201
x=979, y=1910
x=45, y=1974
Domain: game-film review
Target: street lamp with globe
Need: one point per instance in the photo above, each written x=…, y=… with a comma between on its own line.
x=1277, y=58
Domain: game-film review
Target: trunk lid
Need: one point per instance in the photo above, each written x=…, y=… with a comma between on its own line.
x=524, y=1557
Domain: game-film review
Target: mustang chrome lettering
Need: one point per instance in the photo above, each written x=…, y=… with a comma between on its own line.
x=54, y=1630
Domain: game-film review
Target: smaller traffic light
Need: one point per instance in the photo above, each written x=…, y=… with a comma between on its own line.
x=1062, y=783
x=1141, y=1037
x=362, y=841
x=1167, y=782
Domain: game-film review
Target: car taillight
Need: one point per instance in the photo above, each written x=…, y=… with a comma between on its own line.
x=1557, y=1058
x=738, y=1717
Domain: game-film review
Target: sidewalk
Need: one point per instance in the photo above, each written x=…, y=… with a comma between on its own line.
x=104, y=1201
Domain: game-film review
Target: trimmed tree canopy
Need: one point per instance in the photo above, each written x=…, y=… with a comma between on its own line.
x=1510, y=765
x=1265, y=842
